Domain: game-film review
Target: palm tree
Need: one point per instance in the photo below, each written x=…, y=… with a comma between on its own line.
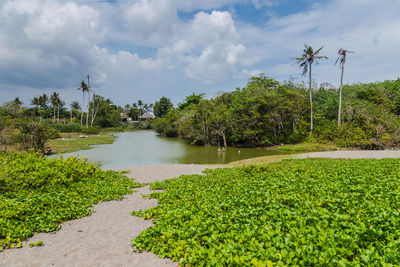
x=88, y=105
x=43, y=99
x=305, y=61
x=54, y=99
x=84, y=88
x=17, y=102
x=74, y=106
x=342, y=60
x=60, y=104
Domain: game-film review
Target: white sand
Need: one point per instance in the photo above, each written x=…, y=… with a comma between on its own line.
x=104, y=238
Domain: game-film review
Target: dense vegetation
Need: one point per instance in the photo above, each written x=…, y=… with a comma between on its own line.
x=38, y=193
x=296, y=212
x=267, y=112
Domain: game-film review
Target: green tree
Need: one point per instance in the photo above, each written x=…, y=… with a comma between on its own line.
x=54, y=100
x=190, y=100
x=74, y=107
x=162, y=107
x=305, y=61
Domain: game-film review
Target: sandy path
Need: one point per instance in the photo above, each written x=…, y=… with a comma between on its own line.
x=104, y=238
x=353, y=154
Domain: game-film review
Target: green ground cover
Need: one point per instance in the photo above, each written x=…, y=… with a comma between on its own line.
x=294, y=212
x=71, y=142
x=37, y=193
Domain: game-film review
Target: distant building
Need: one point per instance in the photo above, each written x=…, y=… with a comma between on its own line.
x=147, y=115
x=327, y=86
x=124, y=117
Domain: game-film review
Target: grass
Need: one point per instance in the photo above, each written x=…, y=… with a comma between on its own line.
x=307, y=147
x=71, y=142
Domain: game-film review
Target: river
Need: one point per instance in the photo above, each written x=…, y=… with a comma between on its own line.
x=147, y=148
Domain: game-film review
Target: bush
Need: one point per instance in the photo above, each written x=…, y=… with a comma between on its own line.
x=35, y=135
x=37, y=193
x=90, y=130
x=67, y=128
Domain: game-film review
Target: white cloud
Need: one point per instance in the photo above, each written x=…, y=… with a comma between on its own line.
x=144, y=44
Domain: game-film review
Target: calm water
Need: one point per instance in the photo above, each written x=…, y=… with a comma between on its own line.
x=147, y=148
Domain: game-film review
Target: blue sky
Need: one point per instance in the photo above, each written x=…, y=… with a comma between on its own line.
x=146, y=49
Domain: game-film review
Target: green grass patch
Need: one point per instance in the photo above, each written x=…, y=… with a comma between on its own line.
x=71, y=142
x=295, y=212
x=306, y=147
x=37, y=193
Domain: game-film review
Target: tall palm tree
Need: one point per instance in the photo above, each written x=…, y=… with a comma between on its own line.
x=342, y=60
x=54, y=99
x=88, y=105
x=305, y=61
x=84, y=88
x=60, y=104
x=74, y=106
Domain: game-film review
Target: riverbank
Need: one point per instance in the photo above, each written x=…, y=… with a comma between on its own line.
x=344, y=154
x=72, y=142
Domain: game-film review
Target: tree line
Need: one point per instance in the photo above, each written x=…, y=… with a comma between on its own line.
x=267, y=112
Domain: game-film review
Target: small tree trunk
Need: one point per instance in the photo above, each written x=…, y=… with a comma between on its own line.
x=88, y=110
x=83, y=103
x=54, y=113
x=340, y=97
x=224, y=138
x=58, y=113
x=311, y=100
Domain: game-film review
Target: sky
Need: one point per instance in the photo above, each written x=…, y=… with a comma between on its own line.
x=146, y=49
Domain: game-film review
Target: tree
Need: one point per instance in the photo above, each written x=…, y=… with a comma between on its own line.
x=305, y=61
x=190, y=100
x=17, y=102
x=162, y=107
x=35, y=102
x=84, y=88
x=342, y=60
x=74, y=106
x=43, y=100
x=88, y=92
x=60, y=104
x=54, y=99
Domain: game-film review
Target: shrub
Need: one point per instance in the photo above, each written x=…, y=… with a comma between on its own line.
x=67, y=128
x=90, y=130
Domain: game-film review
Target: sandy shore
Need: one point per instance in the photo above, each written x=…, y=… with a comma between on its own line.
x=104, y=238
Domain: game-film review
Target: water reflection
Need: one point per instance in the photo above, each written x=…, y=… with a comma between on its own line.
x=147, y=148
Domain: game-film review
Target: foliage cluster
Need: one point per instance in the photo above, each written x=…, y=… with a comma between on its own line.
x=295, y=212
x=267, y=112
x=37, y=193
x=67, y=128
